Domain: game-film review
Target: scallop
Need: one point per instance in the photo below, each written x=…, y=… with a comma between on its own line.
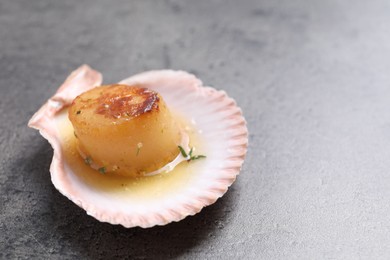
x=212, y=149
x=126, y=129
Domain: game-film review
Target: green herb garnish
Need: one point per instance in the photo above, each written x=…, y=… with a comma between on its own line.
x=196, y=157
x=102, y=170
x=88, y=160
x=182, y=151
x=189, y=156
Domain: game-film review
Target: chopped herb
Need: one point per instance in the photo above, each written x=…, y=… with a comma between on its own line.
x=75, y=135
x=182, y=151
x=102, y=170
x=190, y=156
x=88, y=160
x=78, y=112
x=196, y=157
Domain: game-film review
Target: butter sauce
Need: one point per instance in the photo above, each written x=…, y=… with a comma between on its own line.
x=140, y=187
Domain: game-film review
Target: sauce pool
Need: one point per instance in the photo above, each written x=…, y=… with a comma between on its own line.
x=141, y=187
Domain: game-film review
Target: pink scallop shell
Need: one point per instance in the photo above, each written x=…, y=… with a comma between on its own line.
x=217, y=115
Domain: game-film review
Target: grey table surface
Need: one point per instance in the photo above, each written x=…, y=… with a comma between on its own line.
x=311, y=76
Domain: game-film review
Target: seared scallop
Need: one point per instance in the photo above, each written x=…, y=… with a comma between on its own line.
x=124, y=129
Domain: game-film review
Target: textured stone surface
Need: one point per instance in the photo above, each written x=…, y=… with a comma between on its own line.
x=311, y=76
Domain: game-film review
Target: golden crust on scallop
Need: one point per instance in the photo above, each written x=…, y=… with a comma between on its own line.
x=124, y=129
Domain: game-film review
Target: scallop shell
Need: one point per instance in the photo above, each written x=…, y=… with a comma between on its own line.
x=216, y=117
